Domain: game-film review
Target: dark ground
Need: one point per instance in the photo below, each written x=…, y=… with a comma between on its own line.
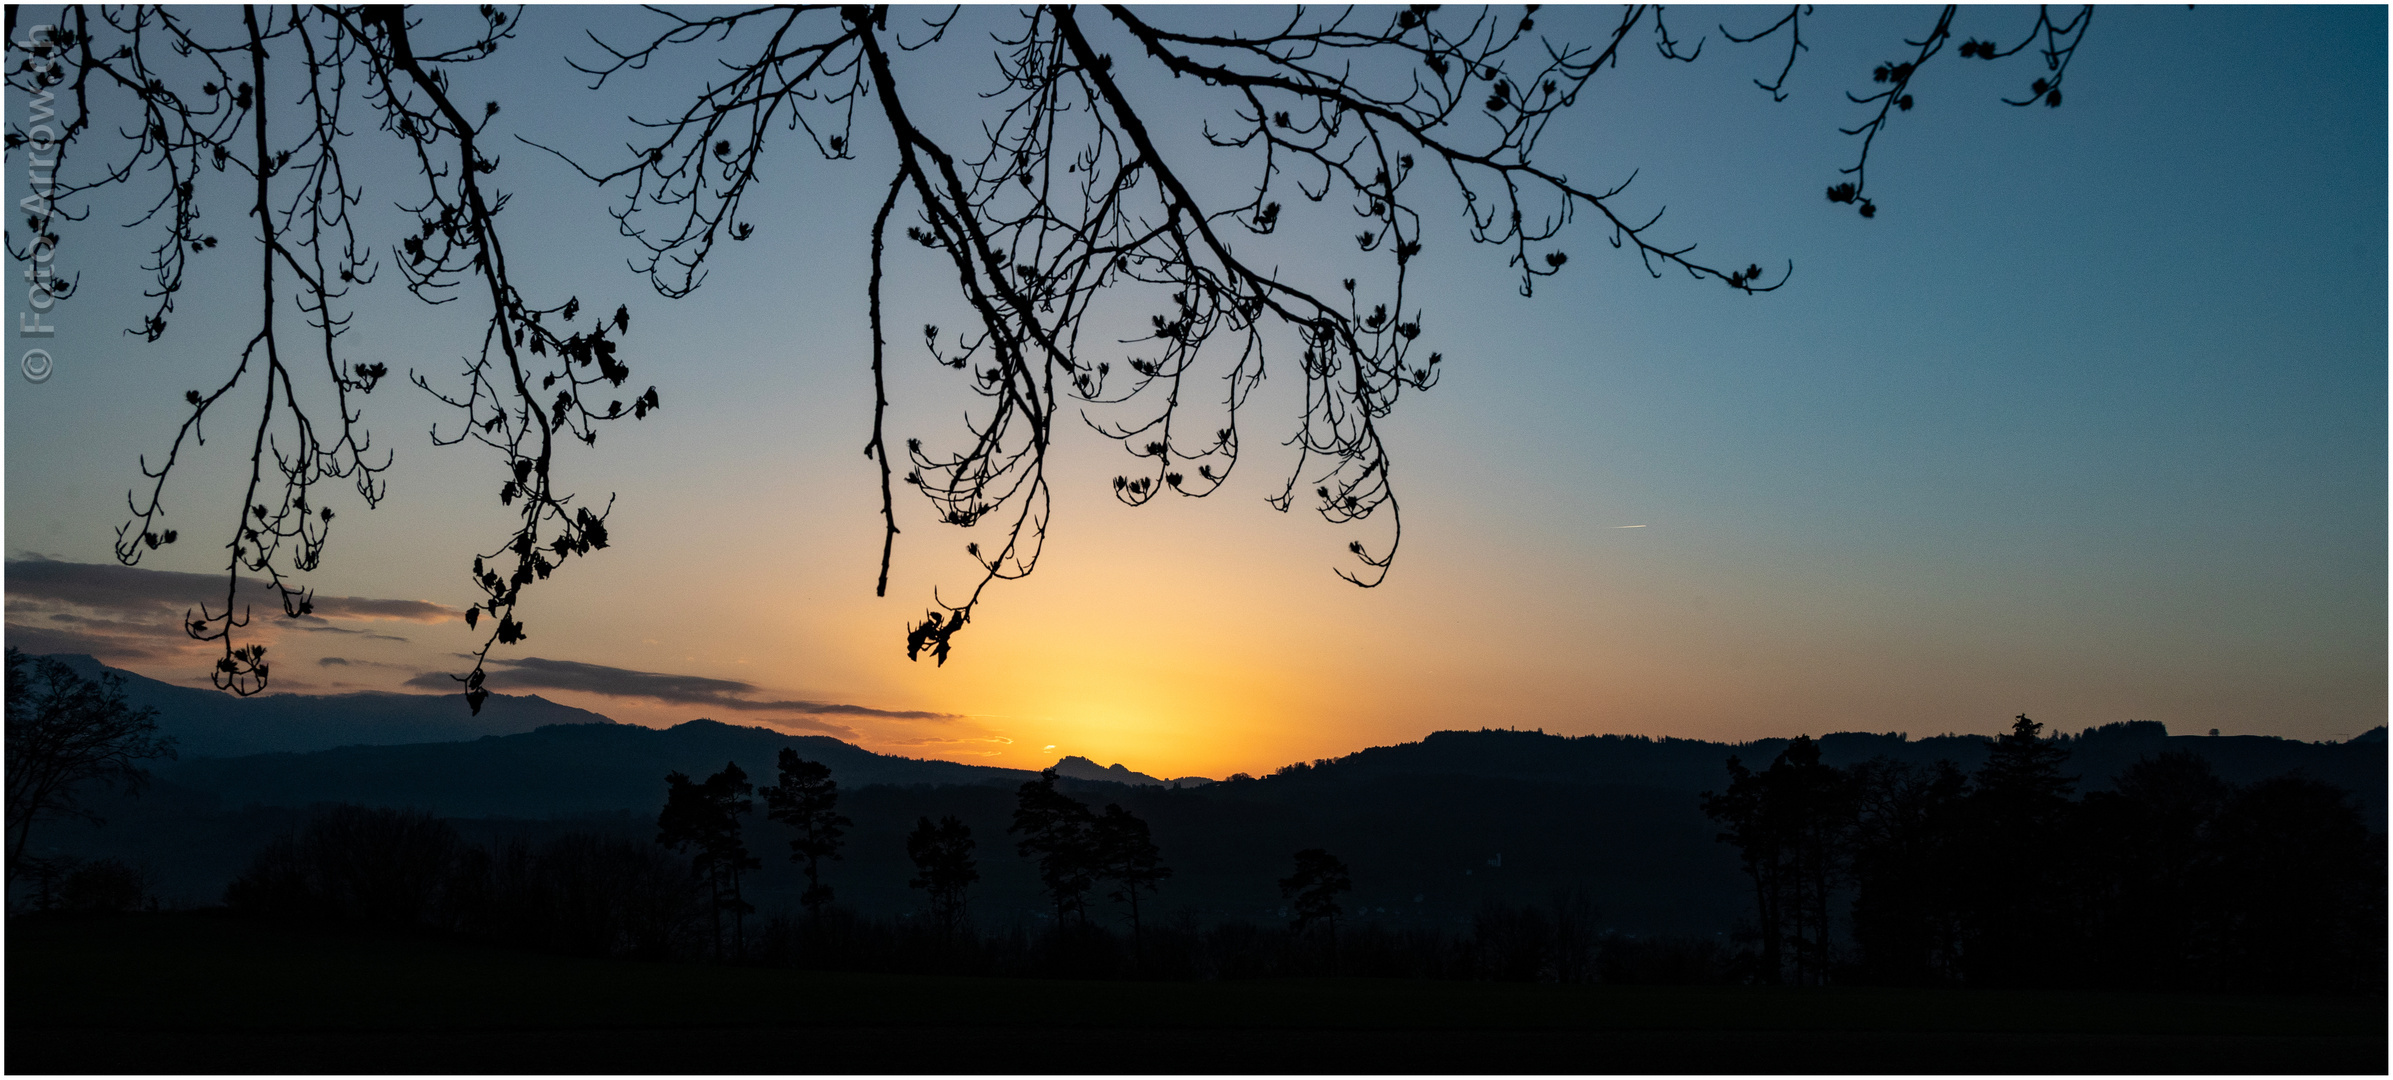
x=183, y=993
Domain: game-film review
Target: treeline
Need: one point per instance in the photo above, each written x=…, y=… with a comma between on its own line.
x=89, y=886
x=405, y=872
x=1893, y=873
x=683, y=897
x=1884, y=872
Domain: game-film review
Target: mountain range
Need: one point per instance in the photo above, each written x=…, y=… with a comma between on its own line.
x=1432, y=829
x=211, y=723
x=207, y=723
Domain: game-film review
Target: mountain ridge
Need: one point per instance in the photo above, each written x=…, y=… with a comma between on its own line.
x=318, y=744
x=1080, y=768
x=211, y=723
x=555, y=770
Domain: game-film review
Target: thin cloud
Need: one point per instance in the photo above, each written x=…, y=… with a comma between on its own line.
x=824, y=726
x=989, y=746
x=108, y=648
x=133, y=590
x=116, y=626
x=367, y=634
x=539, y=673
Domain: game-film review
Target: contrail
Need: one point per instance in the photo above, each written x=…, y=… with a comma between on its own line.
x=1628, y=526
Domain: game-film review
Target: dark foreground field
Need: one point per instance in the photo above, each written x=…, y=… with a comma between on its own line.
x=199, y=993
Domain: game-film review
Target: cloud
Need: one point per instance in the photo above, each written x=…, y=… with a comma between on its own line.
x=135, y=591
x=963, y=735
x=355, y=662
x=367, y=634
x=537, y=673
x=125, y=614
x=981, y=747
x=108, y=648
x=824, y=726
x=113, y=641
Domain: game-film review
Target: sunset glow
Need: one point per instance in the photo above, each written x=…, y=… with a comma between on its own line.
x=2029, y=440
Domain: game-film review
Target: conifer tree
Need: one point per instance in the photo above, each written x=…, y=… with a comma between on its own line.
x=704, y=819
x=1126, y=855
x=1057, y=830
x=944, y=868
x=807, y=800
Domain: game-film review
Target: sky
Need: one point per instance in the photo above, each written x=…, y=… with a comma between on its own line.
x=2088, y=423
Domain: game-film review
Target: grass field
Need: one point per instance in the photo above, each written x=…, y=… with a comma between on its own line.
x=197, y=993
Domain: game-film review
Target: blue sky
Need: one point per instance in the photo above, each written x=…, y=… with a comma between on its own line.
x=2088, y=423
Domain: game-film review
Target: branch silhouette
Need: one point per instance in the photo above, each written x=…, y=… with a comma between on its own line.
x=1068, y=208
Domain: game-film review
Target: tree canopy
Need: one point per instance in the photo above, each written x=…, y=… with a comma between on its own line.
x=1076, y=220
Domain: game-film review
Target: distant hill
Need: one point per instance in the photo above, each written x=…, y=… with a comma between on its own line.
x=2096, y=756
x=212, y=723
x=1432, y=829
x=1423, y=847
x=555, y=771
x=1080, y=768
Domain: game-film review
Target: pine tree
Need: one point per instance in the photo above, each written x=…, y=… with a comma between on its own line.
x=1126, y=855
x=1057, y=829
x=704, y=820
x=807, y=799
x=944, y=868
x=2018, y=825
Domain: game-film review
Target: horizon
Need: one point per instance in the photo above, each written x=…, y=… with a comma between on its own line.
x=1168, y=777
x=2088, y=424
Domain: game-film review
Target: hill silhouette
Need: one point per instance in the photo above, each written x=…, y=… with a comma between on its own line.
x=558, y=770
x=210, y=723
x=1080, y=768
x=2095, y=754
x=1432, y=829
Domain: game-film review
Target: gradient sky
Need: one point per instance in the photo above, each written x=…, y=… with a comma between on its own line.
x=2088, y=423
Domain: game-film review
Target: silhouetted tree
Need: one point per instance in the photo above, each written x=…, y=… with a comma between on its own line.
x=1905, y=863
x=943, y=869
x=47, y=875
x=2299, y=885
x=704, y=819
x=807, y=799
x=1817, y=804
x=1513, y=944
x=1125, y=854
x=2019, y=808
x=2147, y=855
x=1381, y=114
x=374, y=866
x=1741, y=811
x=1789, y=825
x=580, y=893
x=1057, y=830
x=1577, y=936
x=1313, y=889
x=66, y=733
